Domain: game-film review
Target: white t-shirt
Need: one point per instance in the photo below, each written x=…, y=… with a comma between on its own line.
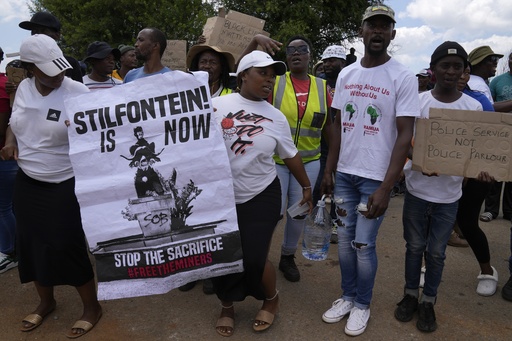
x=370, y=99
x=442, y=189
x=38, y=123
x=95, y=85
x=477, y=83
x=253, y=131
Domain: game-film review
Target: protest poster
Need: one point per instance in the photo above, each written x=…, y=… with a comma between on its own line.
x=232, y=32
x=175, y=55
x=154, y=185
x=464, y=143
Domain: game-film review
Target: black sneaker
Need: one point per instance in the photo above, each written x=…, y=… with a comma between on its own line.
x=406, y=308
x=427, y=317
x=289, y=268
x=188, y=286
x=506, y=291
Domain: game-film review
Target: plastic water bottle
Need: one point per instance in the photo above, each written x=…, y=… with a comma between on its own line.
x=317, y=233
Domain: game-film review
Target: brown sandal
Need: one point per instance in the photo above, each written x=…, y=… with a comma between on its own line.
x=225, y=322
x=264, y=319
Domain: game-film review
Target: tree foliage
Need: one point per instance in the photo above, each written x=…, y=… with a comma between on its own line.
x=324, y=22
x=118, y=21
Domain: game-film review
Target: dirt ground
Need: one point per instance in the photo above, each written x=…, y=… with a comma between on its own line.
x=461, y=313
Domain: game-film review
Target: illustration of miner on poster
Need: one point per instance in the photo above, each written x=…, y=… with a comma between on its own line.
x=154, y=185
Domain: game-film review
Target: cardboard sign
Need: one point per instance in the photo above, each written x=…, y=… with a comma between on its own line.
x=233, y=32
x=175, y=55
x=15, y=75
x=464, y=143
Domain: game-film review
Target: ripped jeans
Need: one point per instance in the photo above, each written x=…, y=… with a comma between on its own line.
x=356, y=238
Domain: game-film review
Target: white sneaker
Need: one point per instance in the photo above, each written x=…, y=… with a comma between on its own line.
x=357, y=321
x=339, y=309
x=487, y=284
x=7, y=262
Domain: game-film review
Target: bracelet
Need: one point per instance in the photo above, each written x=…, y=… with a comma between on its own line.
x=305, y=188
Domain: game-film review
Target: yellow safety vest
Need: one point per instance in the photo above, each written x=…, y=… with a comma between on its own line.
x=226, y=91
x=306, y=132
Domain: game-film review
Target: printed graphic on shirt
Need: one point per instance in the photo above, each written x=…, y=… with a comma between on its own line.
x=350, y=114
x=372, y=114
x=53, y=115
x=244, y=127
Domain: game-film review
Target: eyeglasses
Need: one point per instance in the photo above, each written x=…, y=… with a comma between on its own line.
x=301, y=49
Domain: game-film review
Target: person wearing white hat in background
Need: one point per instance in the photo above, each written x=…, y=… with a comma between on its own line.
x=334, y=60
x=256, y=185
x=50, y=240
x=423, y=80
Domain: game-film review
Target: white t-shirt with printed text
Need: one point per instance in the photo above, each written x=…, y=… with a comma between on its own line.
x=370, y=99
x=442, y=189
x=253, y=132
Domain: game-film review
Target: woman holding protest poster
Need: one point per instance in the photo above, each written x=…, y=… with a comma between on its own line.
x=51, y=244
x=253, y=131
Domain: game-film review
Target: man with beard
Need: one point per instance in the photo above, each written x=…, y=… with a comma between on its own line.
x=149, y=48
x=377, y=101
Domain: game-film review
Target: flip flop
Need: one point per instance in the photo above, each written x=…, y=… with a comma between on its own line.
x=35, y=319
x=84, y=325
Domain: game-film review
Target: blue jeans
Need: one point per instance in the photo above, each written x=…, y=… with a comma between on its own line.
x=357, y=236
x=427, y=227
x=291, y=193
x=8, y=171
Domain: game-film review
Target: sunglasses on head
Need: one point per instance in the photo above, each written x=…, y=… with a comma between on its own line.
x=302, y=49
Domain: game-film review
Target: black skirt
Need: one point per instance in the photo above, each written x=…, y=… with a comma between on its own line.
x=257, y=219
x=50, y=240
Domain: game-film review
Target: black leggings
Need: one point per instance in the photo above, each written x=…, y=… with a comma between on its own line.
x=473, y=196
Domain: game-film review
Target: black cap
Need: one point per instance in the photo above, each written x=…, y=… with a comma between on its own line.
x=100, y=50
x=44, y=19
x=449, y=48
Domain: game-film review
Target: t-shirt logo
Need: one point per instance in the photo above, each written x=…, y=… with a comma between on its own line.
x=53, y=115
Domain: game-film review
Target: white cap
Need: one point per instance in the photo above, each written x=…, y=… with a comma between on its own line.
x=259, y=59
x=423, y=72
x=43, y=51
x=334, y=51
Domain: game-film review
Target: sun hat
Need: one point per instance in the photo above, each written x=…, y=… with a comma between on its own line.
x=100, y=50
x=43, y=51
x=334, y=51
x=449, y=48
x=45, y=19
x=260, y=59
x=125, y=48
x=379, y=9
x=198, y=49
x=480, y=53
